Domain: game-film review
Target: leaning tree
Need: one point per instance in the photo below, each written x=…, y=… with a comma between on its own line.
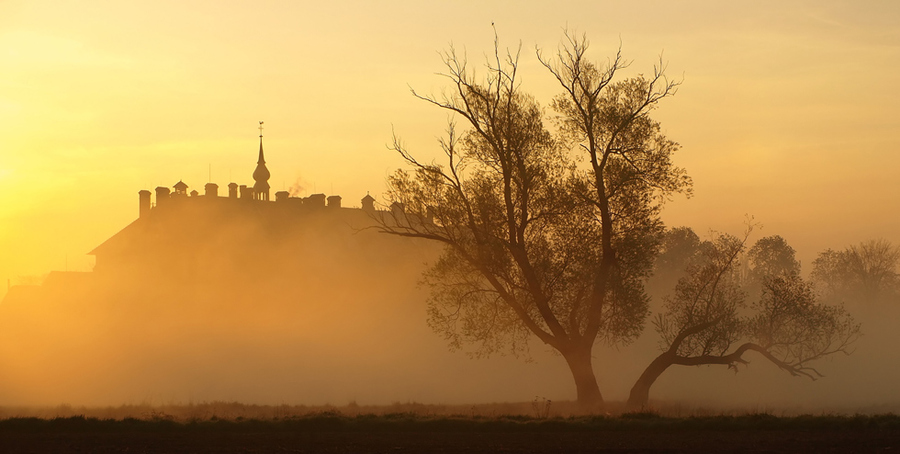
x=707, y=319
x=540, y=242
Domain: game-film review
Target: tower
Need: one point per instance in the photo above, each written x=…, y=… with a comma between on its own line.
x=180, y=188
x=368, y=203
x=261, y=174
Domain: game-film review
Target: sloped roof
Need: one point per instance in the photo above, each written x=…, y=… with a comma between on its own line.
x=128, y=235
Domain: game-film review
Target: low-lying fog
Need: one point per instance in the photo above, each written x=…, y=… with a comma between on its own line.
x=310, y=310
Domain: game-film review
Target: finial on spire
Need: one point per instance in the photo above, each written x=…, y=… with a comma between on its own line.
x=260, y=129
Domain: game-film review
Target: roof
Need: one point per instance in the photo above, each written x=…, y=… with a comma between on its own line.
x=199, y=220
x=123, y=236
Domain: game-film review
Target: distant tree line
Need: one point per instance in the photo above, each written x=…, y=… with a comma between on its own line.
x=864, y=273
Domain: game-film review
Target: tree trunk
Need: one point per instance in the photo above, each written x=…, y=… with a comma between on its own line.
x=579, y=361
x=640, y=392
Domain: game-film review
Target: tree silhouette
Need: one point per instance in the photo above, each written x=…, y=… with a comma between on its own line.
x=866, y=273
x=537, y=245
x=708, y=321
x=771, y=256
x=679, y=248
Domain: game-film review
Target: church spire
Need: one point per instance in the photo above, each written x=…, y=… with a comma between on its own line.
x=261, y=160
x=261, y=174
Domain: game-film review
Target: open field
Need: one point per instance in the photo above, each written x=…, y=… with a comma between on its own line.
x=227, y=428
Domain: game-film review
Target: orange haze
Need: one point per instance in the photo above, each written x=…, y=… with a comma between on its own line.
x=787, y=113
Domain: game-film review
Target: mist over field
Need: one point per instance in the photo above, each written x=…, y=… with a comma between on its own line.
x=777, y=114
x=318, y=312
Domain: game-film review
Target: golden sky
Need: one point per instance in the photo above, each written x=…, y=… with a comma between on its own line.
x=788, y=111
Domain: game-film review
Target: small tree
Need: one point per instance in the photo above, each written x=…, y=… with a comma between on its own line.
x=865, y=272
x=707, y=321
x=535, y=245
x=771, y=256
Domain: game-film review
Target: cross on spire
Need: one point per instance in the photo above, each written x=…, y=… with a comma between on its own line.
x=260, y=129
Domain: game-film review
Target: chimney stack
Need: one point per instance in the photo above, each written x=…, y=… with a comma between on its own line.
x=162, y=195
x=316, y=200
x=144, y=202
x=334, y=201
x=246, y=192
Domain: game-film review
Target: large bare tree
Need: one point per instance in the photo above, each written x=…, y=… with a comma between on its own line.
x=536, y=244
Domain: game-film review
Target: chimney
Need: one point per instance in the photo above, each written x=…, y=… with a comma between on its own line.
x=397, y=212
x=334, y=201
x=212, y=190
x=162, y=195
x=246, y=192
x=232, y=190
x=316, y=200
x=144, y=202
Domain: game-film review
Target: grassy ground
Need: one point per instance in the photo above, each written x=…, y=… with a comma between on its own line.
x=537, y=409
x=333, y=421
x=532, y=428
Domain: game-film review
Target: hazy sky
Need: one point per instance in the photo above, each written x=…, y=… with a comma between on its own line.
x=788, y=110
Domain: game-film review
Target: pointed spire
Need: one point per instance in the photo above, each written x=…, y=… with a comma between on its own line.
x=261, y=160
x=261, y=174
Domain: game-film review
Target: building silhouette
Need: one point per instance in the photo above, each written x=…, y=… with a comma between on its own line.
x=181, y=234
x=219, y=292
x=182, y=237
